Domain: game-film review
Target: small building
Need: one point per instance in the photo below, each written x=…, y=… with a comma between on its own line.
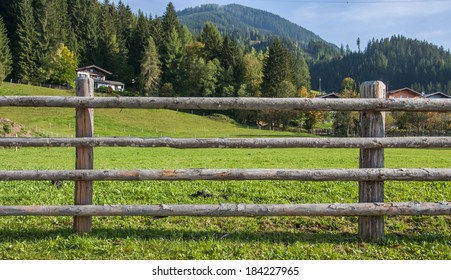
x=404, y=93
x=436, y=95
x=99, y=76
x=329, y=95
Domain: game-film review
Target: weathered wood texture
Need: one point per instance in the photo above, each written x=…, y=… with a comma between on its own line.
x=362, y=174
x=84, y=123
x=374, y=142
x=372, y=125
x=229, y=210
x=229, y=103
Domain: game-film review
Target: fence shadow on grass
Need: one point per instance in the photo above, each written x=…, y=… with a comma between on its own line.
x=274, y=237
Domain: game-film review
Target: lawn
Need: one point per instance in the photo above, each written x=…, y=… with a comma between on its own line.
x=207, y=238
x=219, y=238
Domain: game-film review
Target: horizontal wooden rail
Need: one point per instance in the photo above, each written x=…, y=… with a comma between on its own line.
x=394, y=142
x=362, y=174
x=235, y=210
x=231, y=103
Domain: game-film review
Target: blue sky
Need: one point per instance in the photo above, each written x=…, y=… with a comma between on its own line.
x=342, y=22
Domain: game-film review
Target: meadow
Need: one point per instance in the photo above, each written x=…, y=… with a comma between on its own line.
x=208, y=238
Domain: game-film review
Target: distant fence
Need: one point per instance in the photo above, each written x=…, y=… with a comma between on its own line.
x=388, y=133
x=371, y=175
x=46, y=85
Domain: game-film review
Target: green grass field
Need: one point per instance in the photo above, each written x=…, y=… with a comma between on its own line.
x=211, y=238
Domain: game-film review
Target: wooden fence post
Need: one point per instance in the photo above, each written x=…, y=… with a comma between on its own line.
x=371, y=228
x=84, y=155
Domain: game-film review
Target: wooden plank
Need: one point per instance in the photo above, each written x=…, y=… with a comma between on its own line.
x=235, y=210
x=362, y=174
x=84, y=119
x=372, y=124
x=193, y=143
x=231, y=103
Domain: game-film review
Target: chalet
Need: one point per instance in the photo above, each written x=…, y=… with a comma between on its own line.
x=99, y=76
x=437, y=95
x=404, y=93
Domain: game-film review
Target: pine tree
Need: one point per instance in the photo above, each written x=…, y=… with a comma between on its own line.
x=139, y=40
x=173, y=59
x=7, y=12
x=149, y=78
x=5, y=53
x=125, y=22
x=172, y=50
x=185, y=35
x=300, y=70
x=212, y=39
x=112, y=47
x=156, y=31
x=231, y=58
x=170, y=20
x=27, y=44
x=276, y=69
x=277, y=82
x=84, y=17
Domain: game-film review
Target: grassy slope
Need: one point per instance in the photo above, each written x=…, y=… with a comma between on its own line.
x=121, y=122
x=215, y=238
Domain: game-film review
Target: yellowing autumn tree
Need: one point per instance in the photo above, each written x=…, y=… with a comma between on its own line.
x=63, y=66
x=310, y=118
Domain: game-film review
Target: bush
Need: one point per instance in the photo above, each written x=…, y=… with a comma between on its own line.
x=6, y=128
x=104, y=90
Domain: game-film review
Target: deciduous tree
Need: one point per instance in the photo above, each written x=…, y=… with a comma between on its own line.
x=253, y=74
x=63, y=66
x=347, y=122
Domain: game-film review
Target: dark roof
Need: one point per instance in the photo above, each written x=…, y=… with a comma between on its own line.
x=329, y=95
x=116, y=83
x=84, y=68
x=406, y=89
x=437, y=94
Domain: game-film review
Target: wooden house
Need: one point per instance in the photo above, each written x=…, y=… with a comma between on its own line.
x=404, y=93
x=99, y=76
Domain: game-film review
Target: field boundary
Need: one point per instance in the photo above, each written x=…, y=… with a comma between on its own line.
x=371, y=175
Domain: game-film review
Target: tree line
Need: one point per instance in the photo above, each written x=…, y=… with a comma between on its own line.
x=156, y=56
x=397, y=61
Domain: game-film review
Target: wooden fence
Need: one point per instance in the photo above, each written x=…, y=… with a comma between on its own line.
x=371, y=175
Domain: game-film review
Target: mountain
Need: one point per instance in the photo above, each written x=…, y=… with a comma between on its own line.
x=243, y=22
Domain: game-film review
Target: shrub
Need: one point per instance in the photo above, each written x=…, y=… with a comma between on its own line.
x=104, y=90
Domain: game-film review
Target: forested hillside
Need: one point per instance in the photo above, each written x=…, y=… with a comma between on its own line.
x=251, y=26
x=398, y=61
